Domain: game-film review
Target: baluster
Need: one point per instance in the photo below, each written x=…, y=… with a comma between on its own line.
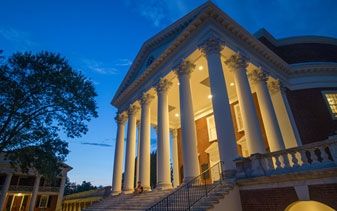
x=314, y=157
x=304, y=158
x=270, y=163
x=333, y=151
x=285, y=160
x=324, y=154
x=294, y=159
x=277, y=162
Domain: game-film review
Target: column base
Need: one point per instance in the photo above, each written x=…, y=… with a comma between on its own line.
x=115, y=193
x=164, y=186
x=129, y=191
x=147, y=189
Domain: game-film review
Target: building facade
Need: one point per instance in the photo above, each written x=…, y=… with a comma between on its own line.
x=30, y=191
x=214, y=92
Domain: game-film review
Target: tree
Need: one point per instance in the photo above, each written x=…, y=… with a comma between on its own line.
x=71, y=187
x=41, y=97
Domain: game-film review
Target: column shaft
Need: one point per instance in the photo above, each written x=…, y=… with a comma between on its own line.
x=61, y=191
x=119, y=154
x=145, y=143
x=270, y=122
x=138, y=151
x=4, y=190
x=248, y=111
x=221, y=107
x=163, y=144
x=189, y=137
x=34, y=193
x=175, y=164
x=130, y=152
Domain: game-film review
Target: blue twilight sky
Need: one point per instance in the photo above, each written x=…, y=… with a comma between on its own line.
x=100, y=38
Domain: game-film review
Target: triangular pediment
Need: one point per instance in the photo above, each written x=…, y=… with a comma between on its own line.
x=156, y=45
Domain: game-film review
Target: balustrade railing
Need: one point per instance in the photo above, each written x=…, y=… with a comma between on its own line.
x=184, y=197
x=20, y=188
x=311, y=156
x=49, y=189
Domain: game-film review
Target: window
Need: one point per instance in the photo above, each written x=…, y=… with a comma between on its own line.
x=238, y=117
x=211, y=128
x=331, y=99
x=44, y=201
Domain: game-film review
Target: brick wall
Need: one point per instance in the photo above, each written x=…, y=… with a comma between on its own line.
x=311, y=114
x=326, y=194
x=275, y=199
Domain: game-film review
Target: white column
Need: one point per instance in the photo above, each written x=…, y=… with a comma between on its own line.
x=163, y=141
x=34, y=193
x=138, y=151
x=119, y=154
x=251, y=126
x=189, y=136
x=221, y=107
x=130, y=151
x=273, y=132
x=61, y=190
x=4, y=190
x=284, y=115
x=175, y=164
x=145, y=142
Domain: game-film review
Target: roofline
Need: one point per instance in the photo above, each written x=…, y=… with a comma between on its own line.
x=295, y=39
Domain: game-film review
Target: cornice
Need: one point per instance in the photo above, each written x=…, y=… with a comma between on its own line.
x=313, y=68
x=226, y=23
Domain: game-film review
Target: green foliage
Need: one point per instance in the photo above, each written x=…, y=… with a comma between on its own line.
x=41, y=97
x=71, y=187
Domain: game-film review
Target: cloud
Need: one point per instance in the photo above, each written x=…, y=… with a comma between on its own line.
x=158, y=11
x=19, y=38
x=96, y=144
x=123, y=62
x=98, y=67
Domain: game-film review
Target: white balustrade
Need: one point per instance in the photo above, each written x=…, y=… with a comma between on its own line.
x=311, y=156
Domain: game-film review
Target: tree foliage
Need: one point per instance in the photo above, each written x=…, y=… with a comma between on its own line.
x=42, y=97
x=72, y=187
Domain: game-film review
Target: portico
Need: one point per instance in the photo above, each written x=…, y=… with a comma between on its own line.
x=207, y=82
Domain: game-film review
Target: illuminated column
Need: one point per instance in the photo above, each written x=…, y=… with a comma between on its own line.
x=290, y=134
x=4, y=190
x=61, y=190
x=138, y=150
x=189, y=136
x=163, y=141
x=238, y=65
x=221, y=107
x=145, y=142
x=269, y=119
x=130, y=151
x=175, y=165
x=119, y=154
x=34, y=193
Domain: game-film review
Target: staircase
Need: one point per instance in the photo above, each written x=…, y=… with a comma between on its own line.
x=129, y=201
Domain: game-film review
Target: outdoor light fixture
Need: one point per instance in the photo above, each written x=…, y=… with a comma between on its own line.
x=201, y=67
x=19, y=194
x=176, y=115
x=231, y=84
x=178, y=83
x=210, y=96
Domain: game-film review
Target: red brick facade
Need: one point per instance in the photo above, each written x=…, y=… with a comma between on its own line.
x=275, y=199
x=311, y=114
x=326, y=194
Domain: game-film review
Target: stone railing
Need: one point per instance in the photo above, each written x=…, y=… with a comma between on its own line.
x=20, y=188
x=307, y=157
x=101, y=192
x=48, y=189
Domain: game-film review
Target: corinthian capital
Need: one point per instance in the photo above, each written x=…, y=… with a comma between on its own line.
x=133, y=109
x=211, y=46
x=236, y=61
x=257, y=75
x=163, y=85
x=275, y=86
x=184, y=68
x=121, y=118
x=146, y=98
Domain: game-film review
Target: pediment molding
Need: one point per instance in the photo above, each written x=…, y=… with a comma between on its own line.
x=214, y=14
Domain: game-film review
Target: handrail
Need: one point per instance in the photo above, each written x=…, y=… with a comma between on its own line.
x=185, y=196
